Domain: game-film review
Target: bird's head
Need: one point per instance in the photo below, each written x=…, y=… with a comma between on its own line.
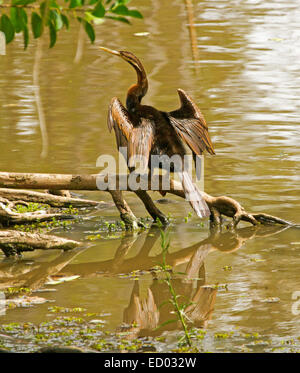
x=127, y=56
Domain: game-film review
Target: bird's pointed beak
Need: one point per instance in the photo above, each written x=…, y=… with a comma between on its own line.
x=116, y=53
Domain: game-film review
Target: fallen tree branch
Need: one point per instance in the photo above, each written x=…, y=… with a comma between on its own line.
x=14, y=242
x=218, y=205
x=46, y=198
x=9, y=217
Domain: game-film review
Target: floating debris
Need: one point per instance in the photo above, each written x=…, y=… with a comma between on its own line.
x=276, y=39
x=25, y=301
x=44, y=290
x=257, y=260
x=55, y=280
x=141, y=34
x=96, y=321
x=219, y=287
x=270, y=300
x=58, y=309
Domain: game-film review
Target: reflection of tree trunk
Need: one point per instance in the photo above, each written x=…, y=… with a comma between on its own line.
x=36, y=278
x=192, y=30
x=2, y=44
x=80, y=44
x=37, y=94
x=160, y=56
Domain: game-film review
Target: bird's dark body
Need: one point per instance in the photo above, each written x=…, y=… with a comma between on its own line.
x=166, y=143
x=146, y=131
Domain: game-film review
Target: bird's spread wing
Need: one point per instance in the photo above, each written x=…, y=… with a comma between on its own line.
x=138, y=139
x=190, y=125
x=119, y=120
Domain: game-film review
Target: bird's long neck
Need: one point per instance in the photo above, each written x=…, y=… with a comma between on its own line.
x=137, y=91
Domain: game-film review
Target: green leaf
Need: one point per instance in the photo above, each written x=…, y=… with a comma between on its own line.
x=22, y=2
x=122, y=10
x=58, y=22
x=23, y=16
x=56, y=19
x=25, y=36
x=52, y=33
x=36, y=25
x=120, y=19
x=90, y=31
x=65, y=21
x=75, y=3
x=99, y=10
x=7, y=27
x=92, y=2
x=53, y=4
x=135, y=13
x=16, y=20
x=90, y=18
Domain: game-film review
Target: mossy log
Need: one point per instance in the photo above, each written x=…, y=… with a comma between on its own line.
x=10, y=217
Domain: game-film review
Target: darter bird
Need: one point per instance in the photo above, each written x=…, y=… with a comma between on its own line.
x=146, y=131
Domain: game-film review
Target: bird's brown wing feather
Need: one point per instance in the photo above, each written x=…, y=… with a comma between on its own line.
x=138, y=139
x=190, y=125
x=140, y=144
x=119, y=120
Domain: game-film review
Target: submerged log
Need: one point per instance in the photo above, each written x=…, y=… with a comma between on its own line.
x=218, y=205
x=46, y=198
x=14, y=242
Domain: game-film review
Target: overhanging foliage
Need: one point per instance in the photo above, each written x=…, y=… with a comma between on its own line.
x=19, y=16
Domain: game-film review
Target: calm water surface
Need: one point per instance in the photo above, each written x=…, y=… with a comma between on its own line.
x=246, y=80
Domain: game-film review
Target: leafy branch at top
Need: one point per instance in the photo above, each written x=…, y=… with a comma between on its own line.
x=50, y=15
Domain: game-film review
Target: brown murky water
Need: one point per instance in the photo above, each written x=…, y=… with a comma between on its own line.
x=246, y=80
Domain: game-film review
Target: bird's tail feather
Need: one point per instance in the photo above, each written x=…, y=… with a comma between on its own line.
x=193, y=195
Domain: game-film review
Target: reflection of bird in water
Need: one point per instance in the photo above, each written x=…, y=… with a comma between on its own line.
x=146, y=131
x=143, y=314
